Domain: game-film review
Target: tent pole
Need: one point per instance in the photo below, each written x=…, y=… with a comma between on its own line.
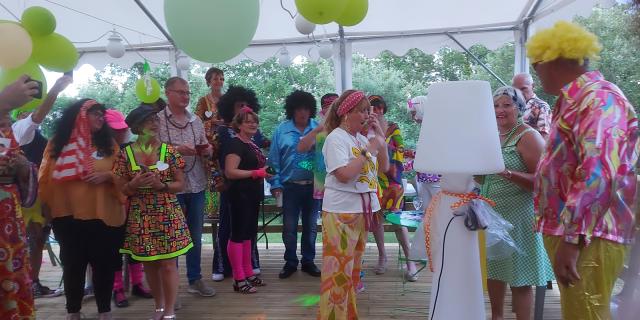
x=521, y=37
x=343, y=60
x=475, y=58
x=155, y=22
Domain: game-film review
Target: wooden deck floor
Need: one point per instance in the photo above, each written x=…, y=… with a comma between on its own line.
x=382, y=298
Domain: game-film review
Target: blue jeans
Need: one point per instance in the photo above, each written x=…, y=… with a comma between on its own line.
x=193, y=207
x=297, y=201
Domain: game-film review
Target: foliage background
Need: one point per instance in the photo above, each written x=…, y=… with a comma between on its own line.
x=396, y=78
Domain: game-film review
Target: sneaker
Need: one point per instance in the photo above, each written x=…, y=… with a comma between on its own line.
x=201, y=288
x=217, y=277
x=256, y=271
x=40, y=291
x=120, y=299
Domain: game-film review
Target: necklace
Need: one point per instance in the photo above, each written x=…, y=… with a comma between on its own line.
x=509, y=134
x=511, y=131
x=168, y=121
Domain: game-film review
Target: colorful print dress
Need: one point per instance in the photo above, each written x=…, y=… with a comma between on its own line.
x=16, y=298
x=156, y=227
x=390, y=190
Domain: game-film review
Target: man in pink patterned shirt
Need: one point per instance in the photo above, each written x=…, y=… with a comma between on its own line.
x=585, y=182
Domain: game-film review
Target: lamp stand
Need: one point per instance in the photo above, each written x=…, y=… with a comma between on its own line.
x=456, y=291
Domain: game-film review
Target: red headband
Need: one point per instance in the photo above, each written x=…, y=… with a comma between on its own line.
x=246, y=109
x=329, y=100
x=350, y=102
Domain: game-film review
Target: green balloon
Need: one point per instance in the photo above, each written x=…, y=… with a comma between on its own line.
x=31, y=69
x=354, y=13
x=190, y=25
x=55, y=53
x=38, y=21
x=321, y=11
x=148, y=96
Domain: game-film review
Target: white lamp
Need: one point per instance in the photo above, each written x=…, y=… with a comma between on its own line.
x=115, y=48
x=303, y=25
x=325, y=50
x=458, y=139
x=183, y=63
x=284, y=59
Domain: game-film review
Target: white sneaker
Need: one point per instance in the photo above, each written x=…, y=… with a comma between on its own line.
x=199, y=287
x=256, y=271
x=217, y=277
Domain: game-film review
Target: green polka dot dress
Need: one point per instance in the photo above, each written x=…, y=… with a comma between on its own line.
x=531, y=266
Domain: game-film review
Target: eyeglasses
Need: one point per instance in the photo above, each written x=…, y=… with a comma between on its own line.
x=181, y=92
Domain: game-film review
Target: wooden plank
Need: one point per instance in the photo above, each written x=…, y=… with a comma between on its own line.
x=382, y=298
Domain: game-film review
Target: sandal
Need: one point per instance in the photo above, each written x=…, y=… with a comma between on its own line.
x=244, y=287
x=256, y=282
x=157, y=314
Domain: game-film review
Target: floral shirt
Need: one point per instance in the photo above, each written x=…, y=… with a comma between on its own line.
x=585, y=182
x=190, y=133
x=538, y=115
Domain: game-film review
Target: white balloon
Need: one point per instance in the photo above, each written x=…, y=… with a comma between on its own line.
x=183, y=63
x=326, y=50
x=303, y=25
x=16, y=43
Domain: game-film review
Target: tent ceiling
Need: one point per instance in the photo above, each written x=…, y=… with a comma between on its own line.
x=397, y=25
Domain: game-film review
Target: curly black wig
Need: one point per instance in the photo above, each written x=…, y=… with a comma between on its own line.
x=102, y=139
x=300, y=100
x=236, y=94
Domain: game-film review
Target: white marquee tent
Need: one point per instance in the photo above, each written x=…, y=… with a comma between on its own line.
x=395, y=25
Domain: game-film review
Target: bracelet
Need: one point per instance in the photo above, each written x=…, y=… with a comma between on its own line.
x=508, y=174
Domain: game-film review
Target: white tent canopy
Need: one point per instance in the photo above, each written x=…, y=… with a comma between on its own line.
x=394, y=25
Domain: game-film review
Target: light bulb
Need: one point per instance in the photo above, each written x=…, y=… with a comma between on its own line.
x=115, y=47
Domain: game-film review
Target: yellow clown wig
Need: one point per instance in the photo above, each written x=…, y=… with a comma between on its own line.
x=564, y=40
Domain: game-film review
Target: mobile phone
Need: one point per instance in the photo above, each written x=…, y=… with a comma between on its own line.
x=37, y=95
x=69, y=73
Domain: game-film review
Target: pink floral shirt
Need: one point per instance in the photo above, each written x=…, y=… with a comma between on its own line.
x=585, y=182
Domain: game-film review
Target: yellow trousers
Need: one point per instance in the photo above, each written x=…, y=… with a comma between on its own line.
x=599, y=264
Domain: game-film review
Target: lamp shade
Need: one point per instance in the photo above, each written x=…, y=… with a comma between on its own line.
x=115, y=48
x=284, y=59
x=459, y=133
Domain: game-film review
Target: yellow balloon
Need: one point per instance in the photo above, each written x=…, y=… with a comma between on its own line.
x=16, y=45
x=321, y=11
x=55, y=52
x=354, y=13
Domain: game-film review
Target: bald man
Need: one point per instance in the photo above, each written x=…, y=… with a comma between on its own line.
x=537, y=114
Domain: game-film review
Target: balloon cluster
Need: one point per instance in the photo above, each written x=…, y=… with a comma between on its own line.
x=343, y=12
x=31, y=44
